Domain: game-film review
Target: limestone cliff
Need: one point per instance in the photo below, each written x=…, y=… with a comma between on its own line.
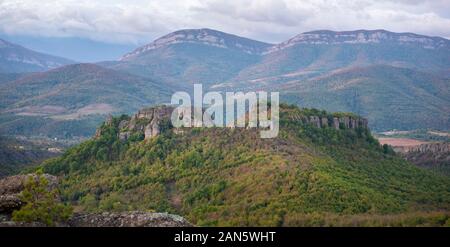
x=147, y=121
x=336, y=121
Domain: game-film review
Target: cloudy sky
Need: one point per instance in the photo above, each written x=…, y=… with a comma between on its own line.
x=137, y=22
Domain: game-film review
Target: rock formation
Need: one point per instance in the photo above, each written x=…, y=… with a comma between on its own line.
x=149, y=122
x=349, y=122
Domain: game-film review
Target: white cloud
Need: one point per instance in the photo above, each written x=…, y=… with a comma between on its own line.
x=268, y=20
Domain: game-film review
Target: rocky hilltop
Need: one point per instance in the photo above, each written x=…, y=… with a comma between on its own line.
x=232, y=177
x=149, y=122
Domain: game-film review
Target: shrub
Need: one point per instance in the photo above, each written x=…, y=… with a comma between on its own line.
x=41, y=205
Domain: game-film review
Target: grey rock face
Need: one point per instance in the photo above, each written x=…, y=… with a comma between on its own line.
x=314, y=120
x=146, y=121
x=347, y=122
x=324, y=122
x=336, y=123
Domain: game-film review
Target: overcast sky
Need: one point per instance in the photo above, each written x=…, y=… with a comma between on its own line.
x=134, y=21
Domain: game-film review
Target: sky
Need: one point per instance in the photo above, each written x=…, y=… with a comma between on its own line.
x=133, y=22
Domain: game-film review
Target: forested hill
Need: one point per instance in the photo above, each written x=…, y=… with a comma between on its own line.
x=308, y=175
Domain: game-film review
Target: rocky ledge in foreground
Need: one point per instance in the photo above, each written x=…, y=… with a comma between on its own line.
x=108, y=219
x=128, y=219
x=11, y=187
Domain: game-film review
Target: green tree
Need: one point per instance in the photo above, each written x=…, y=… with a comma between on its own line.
x=41, y=204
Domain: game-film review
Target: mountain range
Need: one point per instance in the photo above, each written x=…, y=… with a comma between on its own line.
x=396, y=80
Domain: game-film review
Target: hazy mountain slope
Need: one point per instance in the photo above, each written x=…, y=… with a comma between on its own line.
x=18, y=59
x=73, y=93
x=390, y=97
x=222, y=177
x=192, y=56
x=5, y=77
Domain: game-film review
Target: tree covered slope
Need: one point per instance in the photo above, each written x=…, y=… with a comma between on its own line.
x=222, y=177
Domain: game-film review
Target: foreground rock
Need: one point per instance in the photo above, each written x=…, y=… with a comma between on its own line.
x=123, y=219
x=10, y=188
x=128, y=219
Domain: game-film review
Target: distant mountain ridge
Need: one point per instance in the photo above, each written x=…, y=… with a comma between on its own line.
x=363, y=37
x=17, y=59
x=203, y=36
x=190, y=56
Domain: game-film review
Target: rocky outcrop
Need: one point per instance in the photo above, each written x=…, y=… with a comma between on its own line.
x=108, y=219
x=128, y=219
x=348, y=122
x=10, y=188
x=147, y=121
